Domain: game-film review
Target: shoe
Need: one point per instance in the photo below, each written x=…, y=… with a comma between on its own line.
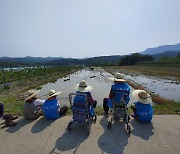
x=13, y=117
x=106, y=114
x=10, y=123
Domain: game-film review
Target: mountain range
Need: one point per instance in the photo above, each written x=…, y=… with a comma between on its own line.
x=157, y=52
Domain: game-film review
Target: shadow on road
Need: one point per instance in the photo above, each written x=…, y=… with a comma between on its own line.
x=143, y=130
x=113, y=140
x=41, y=124
x=71, y=139
x=20, y=123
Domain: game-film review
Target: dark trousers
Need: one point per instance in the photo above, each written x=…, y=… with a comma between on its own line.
x=94, y=104
x=1, y=109
x=63, y=110
x=105, y=106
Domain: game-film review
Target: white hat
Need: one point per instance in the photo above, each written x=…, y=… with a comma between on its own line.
x=142, y=96
x=119, y=77
x=32, y=93
x=83, y=87
x=53, y=93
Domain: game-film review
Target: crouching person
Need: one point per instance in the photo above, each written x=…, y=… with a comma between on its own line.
x=142, y=109
x=33, y=105
x=51, y=107
x=7, y=117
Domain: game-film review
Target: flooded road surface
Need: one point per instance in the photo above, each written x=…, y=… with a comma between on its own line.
x=98, y=79
x=165, y=88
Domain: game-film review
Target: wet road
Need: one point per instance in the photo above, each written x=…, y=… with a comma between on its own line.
x=98, y=79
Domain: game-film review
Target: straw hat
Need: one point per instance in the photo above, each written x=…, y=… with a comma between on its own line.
x=53, y=93
x=142, y=96
x=119, y=77
x=83, y=87
x=32, y=93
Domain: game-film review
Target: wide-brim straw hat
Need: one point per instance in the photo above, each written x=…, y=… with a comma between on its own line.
x=83, y=87
x=32, y=93
x=53, y=93
x=142, y=96
x=119, y=77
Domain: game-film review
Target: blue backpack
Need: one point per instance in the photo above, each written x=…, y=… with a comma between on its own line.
x=51, y=109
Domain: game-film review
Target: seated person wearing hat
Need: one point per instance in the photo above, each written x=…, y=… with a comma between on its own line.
x=142, y=109
x=83, y=88
x=51, y=107
x=7, y=117
x=33, y=105
x=119, y=85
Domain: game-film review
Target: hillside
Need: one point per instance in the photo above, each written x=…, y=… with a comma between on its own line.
x=166, y=53
x=160, y=49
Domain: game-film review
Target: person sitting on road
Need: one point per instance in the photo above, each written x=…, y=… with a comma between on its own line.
x=33, y=105
x=83, y=88
x=142, y=109
x=7, y=117
x=119, y=85
x=51, y=107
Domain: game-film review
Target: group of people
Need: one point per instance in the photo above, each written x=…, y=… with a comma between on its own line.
x=51, y=108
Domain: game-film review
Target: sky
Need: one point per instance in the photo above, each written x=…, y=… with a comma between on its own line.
x=86, y=28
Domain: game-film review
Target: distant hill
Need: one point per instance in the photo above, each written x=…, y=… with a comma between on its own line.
x=160, y=49
x=166, y=53
x=28, y=61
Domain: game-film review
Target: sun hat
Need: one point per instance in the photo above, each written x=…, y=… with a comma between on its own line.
x=83, y=87
x=32, y=93
x=142, y=96
x=52, y=93
x=119, y=77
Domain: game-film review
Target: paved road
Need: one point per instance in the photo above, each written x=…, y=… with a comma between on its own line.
x=45, y=137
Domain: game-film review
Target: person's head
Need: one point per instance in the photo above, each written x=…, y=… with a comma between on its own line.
x=118, y=78
x=142, y=96
x=53, y=94
x=83, y=87
x=32, y=95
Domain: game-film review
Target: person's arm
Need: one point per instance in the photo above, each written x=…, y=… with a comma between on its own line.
x=38, y=102
x=111, y=95
x=90, y=99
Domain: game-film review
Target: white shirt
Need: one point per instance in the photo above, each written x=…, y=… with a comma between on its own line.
x=38, y=102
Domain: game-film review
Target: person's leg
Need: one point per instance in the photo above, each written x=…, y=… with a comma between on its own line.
x=1, y=109
x=105, y=106
x=94, y=104
x=135, y=112
x=63, y=110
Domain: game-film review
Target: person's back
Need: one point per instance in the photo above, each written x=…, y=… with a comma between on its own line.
x=29, y=109
x=51, y=109
x=144, y=112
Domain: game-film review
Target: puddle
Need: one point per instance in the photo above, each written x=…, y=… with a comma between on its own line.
x=98, y=79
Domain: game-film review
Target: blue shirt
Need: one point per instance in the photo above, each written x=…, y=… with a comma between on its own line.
x=51, y=109
x=144, y=112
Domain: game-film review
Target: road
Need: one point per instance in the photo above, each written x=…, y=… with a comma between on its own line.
x=45, y=137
